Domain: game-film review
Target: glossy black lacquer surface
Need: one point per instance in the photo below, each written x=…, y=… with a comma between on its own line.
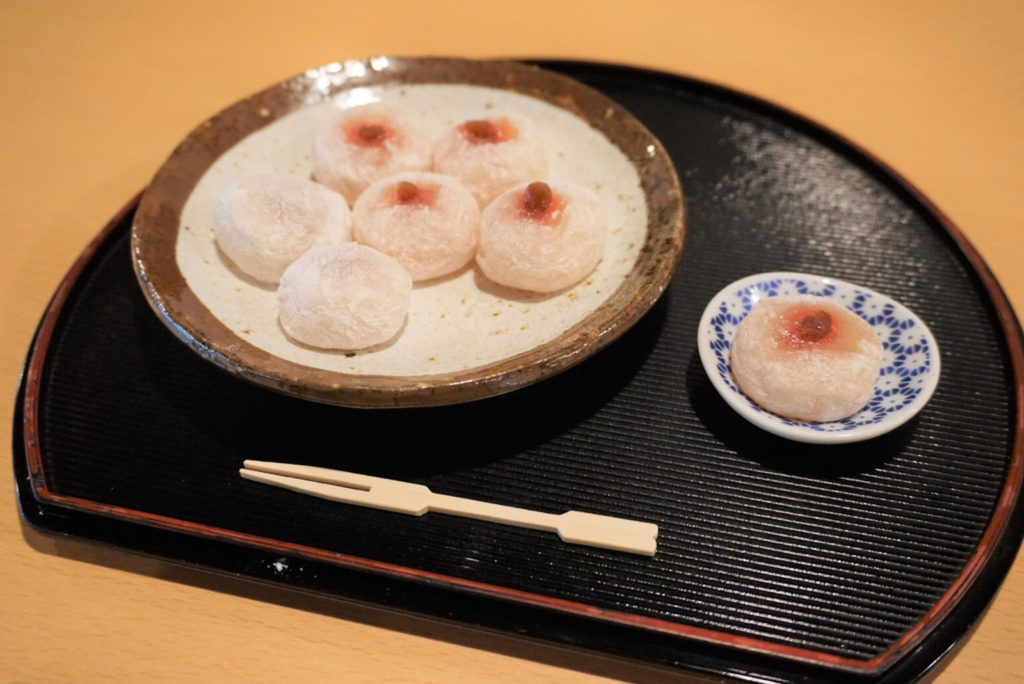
x=837, y=550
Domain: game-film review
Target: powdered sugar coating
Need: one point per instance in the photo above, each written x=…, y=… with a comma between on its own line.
x=541, y=256
x=430, y=239
x=344, y=297
x=489, y=169
x=805, y=383
x=264, y=222
x=342, y=165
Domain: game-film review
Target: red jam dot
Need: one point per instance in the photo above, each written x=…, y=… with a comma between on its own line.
x=822, y=327
x=371, y=133
x=815, y=327
x=537, y=198
x=540, y=204
x=406, y=192
x=485, y=131
x=480, y=131
x=367, y=134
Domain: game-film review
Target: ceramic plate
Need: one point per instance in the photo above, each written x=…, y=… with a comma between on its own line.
x=910, y=360
x=465, y=338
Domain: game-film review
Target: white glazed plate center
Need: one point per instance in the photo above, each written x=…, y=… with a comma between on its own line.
x=456, y=323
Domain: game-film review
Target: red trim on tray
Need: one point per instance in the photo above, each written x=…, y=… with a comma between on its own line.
x=1014, y=472
x=909, y=640
x=30, y=419
x=401, y=571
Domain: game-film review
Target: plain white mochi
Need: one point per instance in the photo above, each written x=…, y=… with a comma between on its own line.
x=432, y=232
x=265, y=222
x=345, y=296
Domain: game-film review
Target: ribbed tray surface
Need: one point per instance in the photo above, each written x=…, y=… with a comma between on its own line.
x=838, y=549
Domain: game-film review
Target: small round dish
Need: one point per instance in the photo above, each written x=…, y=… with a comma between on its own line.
x=464, y=338
x=910, y=360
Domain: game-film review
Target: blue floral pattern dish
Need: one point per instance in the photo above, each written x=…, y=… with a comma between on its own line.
x=910, y=360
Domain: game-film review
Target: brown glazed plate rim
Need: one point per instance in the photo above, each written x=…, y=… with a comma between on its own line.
x=157, y=221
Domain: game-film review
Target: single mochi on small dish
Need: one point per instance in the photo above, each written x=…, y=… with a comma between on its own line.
x=542, y=237
x=265, y=222
x=344, y=297
x=806, y=358
x=363, y=144
x=491, y=155
x=430, y=223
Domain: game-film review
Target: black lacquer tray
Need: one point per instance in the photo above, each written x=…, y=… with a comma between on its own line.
x=777, y=561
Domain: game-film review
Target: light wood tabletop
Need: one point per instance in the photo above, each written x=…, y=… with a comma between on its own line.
x=98, y=92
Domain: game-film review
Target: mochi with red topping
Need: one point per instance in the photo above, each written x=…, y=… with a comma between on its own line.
x=542, y=237
x=429, y=222
x=363, y=144
x=806, y=358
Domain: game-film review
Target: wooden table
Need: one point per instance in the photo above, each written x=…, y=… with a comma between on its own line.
x=97, y=94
